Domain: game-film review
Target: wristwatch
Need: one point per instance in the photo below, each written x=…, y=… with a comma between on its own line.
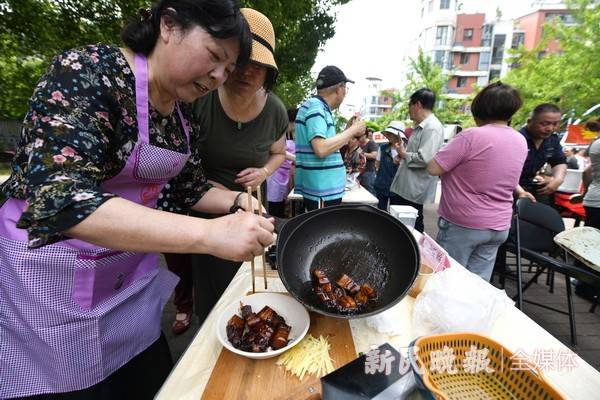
x=235, y=207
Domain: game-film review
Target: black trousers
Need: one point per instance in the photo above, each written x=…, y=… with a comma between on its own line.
x=211, y=277
x=384, y=199
x=181, y=265
x=310, y=205
x=141, y=378
x=401, y=201
x=277, y=208
x=592, y=217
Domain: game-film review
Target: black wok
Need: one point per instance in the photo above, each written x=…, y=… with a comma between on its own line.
x=284, y=226
x=367, y=244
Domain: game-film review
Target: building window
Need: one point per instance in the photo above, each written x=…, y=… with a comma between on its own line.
x=564, y=17
x=498, y=49
x=486, y=35
x=461, y=81
x=494, y=74
x=444, y=4
x=518, y=39
x=438, y=58
x=482, y=81
x=464, y=58
x=484, y=61
x=468, y=34
x=441, y=34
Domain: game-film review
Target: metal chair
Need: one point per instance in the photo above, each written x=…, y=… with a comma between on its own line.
x=535, y=227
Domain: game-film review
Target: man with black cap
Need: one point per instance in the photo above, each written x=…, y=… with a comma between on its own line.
x=320, y=172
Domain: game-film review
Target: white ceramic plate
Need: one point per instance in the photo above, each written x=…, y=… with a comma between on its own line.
x=292, y=311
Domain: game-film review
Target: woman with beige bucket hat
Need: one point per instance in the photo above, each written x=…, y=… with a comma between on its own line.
x=241, y=141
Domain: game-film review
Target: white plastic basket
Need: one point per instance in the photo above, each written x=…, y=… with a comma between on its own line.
x=405, y=214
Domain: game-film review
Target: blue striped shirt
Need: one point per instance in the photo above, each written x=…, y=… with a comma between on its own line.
x=317, y=178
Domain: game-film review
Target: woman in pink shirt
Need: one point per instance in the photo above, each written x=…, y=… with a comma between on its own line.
x=480, y=170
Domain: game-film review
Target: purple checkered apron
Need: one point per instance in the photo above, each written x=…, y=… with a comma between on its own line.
x=72, y=313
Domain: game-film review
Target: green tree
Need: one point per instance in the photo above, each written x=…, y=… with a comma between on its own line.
x=301, y=29
x=33, y=31
x=569, y=78
x=424, y=73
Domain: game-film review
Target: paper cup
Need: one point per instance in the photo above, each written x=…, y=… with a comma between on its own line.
x=425, y=271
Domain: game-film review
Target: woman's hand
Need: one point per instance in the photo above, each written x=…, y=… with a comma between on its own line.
x=251, y=177
x=527, y=195
x=243, y=202
x=240, y=236
x=522, y=193
x=400, y=149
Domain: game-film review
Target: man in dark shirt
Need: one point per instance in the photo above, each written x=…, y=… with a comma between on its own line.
x=543, y=147
x=572, y=162
x=369, y=149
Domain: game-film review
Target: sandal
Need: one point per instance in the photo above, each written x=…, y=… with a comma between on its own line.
x=181, y=323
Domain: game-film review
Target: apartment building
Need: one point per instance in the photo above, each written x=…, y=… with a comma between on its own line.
x=374, y=105
x=531, y=26
x=475, y=48
x=470, y=54
x=458, y=42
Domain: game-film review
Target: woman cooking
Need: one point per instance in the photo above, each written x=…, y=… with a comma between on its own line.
x=241, y=142
x=81, y=293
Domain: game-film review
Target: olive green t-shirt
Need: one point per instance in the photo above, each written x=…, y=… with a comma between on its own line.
x=226, y=147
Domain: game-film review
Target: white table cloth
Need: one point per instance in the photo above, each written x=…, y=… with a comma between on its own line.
x=515, y=330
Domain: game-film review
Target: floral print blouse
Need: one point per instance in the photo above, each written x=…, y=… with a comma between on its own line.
x=80, y=129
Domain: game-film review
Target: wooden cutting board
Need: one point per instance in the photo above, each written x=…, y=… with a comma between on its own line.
x=237, y=377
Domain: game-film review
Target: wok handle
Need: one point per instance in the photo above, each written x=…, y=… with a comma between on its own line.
x=278, y=222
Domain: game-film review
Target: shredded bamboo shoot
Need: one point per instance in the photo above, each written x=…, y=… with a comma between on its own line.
x=310, y=356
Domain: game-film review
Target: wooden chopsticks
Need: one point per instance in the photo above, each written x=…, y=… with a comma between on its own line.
x=251, y=209
x=257, y=211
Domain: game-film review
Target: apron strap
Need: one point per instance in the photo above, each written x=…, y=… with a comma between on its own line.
x=141, y=96
x=183, y=123
x=141, y=101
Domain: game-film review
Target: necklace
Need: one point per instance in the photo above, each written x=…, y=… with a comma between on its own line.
x=244, y=112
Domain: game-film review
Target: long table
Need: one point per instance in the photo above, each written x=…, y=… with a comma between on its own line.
x=513, y=329
x=357, y=195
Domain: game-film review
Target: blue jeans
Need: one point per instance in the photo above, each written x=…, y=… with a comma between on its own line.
x=475, y=249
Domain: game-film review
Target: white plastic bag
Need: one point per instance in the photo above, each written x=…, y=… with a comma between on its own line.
x=456, y=300
x=352, y=181
x=387, y=322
